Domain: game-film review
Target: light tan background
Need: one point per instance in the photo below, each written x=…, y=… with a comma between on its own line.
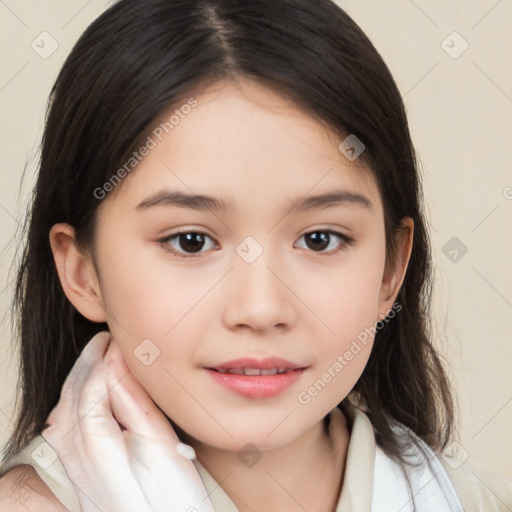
x=460, y=112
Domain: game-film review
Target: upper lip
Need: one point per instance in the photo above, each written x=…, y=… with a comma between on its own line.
x=267, y=363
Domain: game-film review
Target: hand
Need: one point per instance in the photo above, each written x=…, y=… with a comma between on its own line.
x=116, y=446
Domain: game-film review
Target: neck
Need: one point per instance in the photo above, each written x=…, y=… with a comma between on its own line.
x=305, y=474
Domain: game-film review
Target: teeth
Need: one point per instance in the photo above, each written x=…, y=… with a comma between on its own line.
x=252, y=371
x=237, y=371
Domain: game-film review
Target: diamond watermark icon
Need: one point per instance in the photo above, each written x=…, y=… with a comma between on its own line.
x=351, y=147
x=44, y=455
x=44, y=45
x=146, y=352
x=249, y=455
x=249, y=249
x=454, y=249
x=454, y=455
x=454, y=45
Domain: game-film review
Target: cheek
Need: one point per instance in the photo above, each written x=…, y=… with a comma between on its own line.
x=146, y=294
x=347, y=302
x=346, y=297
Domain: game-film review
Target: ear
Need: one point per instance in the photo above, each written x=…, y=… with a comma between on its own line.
x=394, y=274
x=77, y=273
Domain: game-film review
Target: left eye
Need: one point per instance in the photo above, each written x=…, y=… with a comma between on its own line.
x=320, y=240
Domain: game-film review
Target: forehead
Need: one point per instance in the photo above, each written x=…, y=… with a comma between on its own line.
x=245, y=143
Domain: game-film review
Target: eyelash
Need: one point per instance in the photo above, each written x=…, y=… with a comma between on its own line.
x=346, y=241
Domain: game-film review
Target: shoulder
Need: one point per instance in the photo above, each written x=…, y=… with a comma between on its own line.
x=21, y=490
x=479, y=490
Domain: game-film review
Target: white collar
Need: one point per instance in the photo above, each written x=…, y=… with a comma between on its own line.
x=373, y=482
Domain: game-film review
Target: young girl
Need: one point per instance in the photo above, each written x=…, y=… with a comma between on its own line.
x=224, y=297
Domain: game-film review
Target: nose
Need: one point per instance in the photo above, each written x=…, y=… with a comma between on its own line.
x=259, y=297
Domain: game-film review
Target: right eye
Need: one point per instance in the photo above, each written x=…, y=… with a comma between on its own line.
x=185, y=243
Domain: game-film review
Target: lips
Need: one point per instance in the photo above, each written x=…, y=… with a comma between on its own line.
x=254, y=366
x=256, y=378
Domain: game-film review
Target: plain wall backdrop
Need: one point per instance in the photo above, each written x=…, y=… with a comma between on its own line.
x=452, y=63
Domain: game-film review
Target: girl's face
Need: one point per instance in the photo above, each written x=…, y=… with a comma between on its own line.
x=263, y=280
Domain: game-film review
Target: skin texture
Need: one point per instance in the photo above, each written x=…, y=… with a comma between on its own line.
x=22, y=490
x=247, y=144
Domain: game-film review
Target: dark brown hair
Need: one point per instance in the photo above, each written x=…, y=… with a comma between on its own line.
x=142, y=56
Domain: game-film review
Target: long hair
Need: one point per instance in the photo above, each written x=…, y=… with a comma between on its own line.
x=140, y=58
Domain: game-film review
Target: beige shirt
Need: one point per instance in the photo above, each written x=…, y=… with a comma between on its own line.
x=478, y=490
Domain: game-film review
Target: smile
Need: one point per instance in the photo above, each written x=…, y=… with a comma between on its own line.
x=254, y=371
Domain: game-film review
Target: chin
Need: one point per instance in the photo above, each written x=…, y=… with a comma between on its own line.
x=265, y=435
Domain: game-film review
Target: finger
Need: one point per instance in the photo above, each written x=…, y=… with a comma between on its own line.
x=93, y=401
x=87, y=387
x=51, y=435
x=97, y=438
x=76, y=378
x=90, y=357
x=97, y=346
x=94, y=404
x=131, y=404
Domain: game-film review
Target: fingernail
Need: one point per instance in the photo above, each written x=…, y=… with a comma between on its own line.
x=186, y=451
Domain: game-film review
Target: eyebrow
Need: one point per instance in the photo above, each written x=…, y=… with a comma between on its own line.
x=202, y=202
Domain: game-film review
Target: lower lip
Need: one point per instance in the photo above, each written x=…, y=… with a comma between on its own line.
x=256, y=386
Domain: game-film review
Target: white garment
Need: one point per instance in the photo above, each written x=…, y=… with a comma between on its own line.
x=373, y=482
x=424, y=487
